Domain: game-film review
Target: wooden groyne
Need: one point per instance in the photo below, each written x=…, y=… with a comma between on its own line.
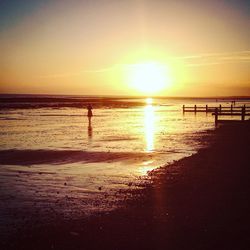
x=209, y=109
x=240, y=111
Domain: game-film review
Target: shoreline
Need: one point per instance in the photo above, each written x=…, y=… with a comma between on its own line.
x=199, y=202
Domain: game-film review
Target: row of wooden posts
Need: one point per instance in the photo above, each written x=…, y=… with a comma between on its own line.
x=208, y=109
x=242, y=111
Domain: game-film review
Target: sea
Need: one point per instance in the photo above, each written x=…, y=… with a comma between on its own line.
x=54, y=162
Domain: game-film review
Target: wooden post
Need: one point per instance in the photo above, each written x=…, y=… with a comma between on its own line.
x=194, y=108
x=206, y=109
x=231, y=108
x=183, y=108
x=216, y=116
x=243, y=109
x=220, y=107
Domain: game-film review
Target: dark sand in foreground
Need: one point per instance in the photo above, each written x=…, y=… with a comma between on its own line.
x=200, y=202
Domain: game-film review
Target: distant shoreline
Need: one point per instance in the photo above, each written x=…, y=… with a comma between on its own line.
x=25, y=95
x=19, y=101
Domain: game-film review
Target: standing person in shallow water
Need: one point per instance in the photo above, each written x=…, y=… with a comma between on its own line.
x=90, y=114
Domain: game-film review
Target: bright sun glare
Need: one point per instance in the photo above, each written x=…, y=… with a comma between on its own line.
x=149, y=101
x=149, y=77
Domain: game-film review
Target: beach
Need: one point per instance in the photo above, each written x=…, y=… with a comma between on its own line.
x=51, y=161
x=124, y=125
x=199, y=202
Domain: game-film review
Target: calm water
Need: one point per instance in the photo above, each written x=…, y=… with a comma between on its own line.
x=93, y=166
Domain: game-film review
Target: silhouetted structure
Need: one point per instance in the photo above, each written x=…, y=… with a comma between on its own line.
x=210, y=109
x=242, y=111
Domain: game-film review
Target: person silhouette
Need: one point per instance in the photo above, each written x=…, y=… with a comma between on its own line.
x=90, y=114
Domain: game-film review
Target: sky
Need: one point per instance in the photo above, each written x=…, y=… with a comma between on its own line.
x=132, y=47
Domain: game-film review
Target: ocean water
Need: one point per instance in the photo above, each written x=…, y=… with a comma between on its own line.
x=52, y=160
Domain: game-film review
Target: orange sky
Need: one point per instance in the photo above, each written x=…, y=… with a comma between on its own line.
x=86, y=47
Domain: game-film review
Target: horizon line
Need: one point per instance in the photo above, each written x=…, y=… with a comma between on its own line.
x=125, y=96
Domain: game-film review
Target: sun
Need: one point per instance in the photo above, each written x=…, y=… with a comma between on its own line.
x=148, y=77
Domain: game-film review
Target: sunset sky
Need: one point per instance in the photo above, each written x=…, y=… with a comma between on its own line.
x=125, y=47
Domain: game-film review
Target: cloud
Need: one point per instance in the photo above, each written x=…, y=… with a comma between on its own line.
x=199, y=60
x=79, y=73
x=217, y=58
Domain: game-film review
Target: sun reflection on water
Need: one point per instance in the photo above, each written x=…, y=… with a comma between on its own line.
x=149, y=101
x=149, y=125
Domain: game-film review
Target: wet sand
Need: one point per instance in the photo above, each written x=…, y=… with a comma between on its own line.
x=31, y=157
x=199, y=202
